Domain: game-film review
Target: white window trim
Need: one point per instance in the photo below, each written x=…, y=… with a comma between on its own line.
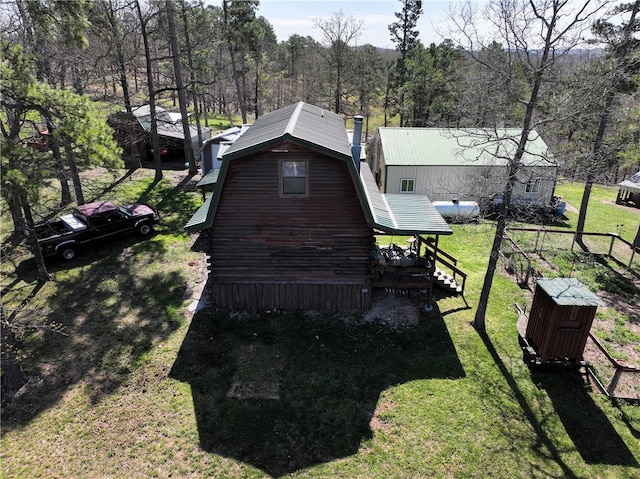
x=413, y=190
x=532, y=186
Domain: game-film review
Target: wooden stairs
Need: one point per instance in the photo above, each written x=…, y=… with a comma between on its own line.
x=447, y=282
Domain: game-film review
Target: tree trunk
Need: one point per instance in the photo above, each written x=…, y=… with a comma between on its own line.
x=155, y=142
x=43, y=274
x=13, y=376
x=182, y=95
x=19, y=224
x=75, y=174
x=192, y=81
x=623, y=51
x=65, y=197
x=236, y=76
x=514, y=166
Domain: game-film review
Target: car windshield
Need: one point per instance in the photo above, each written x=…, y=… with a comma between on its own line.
x=124, y=211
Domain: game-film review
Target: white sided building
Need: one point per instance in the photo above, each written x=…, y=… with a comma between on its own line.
x=461, y=165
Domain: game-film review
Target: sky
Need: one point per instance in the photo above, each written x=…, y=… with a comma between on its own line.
x=296, y=16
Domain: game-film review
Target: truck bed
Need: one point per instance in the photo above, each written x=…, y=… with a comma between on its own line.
x=66, y=224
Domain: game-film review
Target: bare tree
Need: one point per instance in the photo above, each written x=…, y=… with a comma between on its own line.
x=535, y=33
x=155, y=141
x=339, y=32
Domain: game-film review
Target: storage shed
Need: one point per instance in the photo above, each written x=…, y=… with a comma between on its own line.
x=132, y=131
x=561, y=315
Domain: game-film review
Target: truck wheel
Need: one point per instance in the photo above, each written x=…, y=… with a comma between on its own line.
x=145, y=229
x=67, y=253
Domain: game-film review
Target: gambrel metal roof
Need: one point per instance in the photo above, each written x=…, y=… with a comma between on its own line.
x=301, y=123
x=459, y=147
x=324, y=131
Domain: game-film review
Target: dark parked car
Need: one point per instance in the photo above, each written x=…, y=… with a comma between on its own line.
x=93, y=222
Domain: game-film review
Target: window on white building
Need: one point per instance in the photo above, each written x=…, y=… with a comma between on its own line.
x=532, y=186
x=407, y=185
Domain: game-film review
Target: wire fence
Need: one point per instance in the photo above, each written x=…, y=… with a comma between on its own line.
x=529, y=253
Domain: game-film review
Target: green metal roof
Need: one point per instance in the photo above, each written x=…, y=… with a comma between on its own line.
x=456, y=147
x=301, y=123
x=324, y=131
x=401, y=214
x=210, y=178
x=569, y=292
x=199, y=218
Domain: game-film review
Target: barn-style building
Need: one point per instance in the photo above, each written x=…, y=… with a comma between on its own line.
x=293, y=219
x=461, y=164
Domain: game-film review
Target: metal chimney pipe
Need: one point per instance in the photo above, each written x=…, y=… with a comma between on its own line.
x=356, y=146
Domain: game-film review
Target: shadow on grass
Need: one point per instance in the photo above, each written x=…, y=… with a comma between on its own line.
x=110, y=315
x=285, y=392
x=593, y=435
x=586, y=424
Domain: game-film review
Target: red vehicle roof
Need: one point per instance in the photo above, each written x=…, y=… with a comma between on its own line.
x=89, y=209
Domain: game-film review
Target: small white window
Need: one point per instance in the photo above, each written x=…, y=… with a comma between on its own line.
x=532, y=186
x=407, y=185
x=294, y=178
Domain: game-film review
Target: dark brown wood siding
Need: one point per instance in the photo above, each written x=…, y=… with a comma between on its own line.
x=272, y=251
x=558, y=331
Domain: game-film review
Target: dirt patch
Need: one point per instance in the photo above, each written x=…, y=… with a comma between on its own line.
x=396, y=312
x=624, y=307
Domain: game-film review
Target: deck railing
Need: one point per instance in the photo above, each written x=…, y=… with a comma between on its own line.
x=445, y=259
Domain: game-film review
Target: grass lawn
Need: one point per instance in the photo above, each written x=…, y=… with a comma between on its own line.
x=136, y=385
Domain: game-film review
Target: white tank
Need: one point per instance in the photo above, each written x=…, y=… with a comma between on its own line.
x=458, y=210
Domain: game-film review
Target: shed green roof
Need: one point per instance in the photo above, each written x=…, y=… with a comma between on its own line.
x=569, y=292
x=456, y=147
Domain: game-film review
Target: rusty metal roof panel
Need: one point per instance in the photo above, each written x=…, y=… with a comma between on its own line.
x=569, y=292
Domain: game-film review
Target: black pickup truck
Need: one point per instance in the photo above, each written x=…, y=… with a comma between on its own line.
x=90, y=223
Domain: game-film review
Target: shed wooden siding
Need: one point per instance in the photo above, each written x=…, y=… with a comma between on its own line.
x=471, y=182
x=558, y=331
x=268, y=251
